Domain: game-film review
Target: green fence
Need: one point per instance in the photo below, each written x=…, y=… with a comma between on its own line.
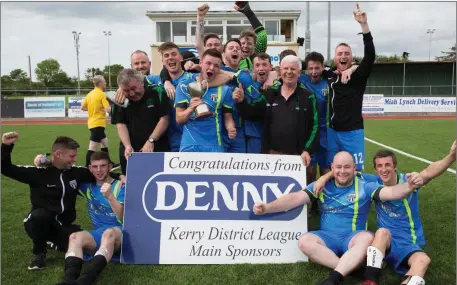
x=413, y=78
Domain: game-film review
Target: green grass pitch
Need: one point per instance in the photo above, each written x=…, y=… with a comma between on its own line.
x=429, y=139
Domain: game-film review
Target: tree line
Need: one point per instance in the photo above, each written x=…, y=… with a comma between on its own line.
x=50, y=75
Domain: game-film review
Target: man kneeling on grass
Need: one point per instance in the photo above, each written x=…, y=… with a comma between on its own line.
x=342, y=242
x=105, y=201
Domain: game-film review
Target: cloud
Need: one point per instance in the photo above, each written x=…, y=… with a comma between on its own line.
x=43, y=29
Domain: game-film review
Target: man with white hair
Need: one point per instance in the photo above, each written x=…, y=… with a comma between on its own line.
x=289, y=114
x=142, y=125
x=97, y=106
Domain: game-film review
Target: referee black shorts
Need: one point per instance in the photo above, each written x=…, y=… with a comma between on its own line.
x=97, y=134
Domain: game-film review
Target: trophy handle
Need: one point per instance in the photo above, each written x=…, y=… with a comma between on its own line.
x=207, y=88
x=184, y=92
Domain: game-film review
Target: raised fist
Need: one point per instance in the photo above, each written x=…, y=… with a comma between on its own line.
x=202, y=10
x=106, y=190
x=10, y=138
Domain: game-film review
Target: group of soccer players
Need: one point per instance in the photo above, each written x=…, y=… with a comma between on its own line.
x=230, y=73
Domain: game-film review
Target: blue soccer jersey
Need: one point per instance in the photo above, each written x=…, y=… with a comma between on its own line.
x=345, y=209
x=174, y=129
x=205, y=131
x=320, y=90
x=100, y=211
x=401, y=217
x=252, y=94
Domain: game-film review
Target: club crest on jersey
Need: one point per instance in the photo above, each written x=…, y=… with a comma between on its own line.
x=351, y=197
x=324, y=92
x=73, y=184
x=150, y=102
x=213, y=97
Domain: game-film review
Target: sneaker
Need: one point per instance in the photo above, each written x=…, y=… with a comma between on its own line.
x=368, y=282
x=38, y=262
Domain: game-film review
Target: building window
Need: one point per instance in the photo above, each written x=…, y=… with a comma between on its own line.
x=234, y=31
x=272, y=28
x=215, y=27
x=179, y=32
x=163, y=31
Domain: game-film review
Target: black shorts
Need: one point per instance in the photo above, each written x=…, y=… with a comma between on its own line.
x=97, y=134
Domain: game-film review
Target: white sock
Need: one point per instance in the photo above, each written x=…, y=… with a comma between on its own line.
x=416, y=280
x=70, y=253
x=101, y=251
x=374, y=257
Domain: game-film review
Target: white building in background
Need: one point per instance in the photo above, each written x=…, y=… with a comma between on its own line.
x=179, y=27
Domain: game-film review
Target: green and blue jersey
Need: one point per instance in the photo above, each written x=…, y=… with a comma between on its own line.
x=205, y=131
x=345, y=209
x=100, y=211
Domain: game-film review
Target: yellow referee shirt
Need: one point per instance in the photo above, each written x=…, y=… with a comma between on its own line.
x=95, y=103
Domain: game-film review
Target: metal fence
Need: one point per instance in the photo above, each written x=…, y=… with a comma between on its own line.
x=425, y=90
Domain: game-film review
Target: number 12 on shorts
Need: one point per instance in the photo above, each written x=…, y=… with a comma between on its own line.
x=358, y=158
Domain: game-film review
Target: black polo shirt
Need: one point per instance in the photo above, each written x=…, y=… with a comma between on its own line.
x=141, y=117
x=283, y=127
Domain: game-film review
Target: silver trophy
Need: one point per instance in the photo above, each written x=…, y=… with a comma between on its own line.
x=196, y=90
x=112, y=97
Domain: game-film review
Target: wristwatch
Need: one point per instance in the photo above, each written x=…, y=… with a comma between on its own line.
x=151, y=140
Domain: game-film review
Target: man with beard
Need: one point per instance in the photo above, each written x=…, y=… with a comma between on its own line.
x=288, y=113
x=204, y=134
x=341, y=243
x=400, y=233
x=171, y=60
x=53, y=192
x=346, y=130
x=105, y=203
x=141, y=126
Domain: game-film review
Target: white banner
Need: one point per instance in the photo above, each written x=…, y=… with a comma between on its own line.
x=373, y=104
x=74, y=108
x=197, y=208
x=419, y=104
x=44, y=107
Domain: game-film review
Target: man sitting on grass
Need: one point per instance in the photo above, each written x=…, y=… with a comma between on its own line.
x=105, y=201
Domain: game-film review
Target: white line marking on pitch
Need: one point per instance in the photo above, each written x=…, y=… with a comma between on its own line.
x=406, y=154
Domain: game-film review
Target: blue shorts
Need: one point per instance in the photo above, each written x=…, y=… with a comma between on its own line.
x=236, y=145
x=320, y=158
x=201, y=148
x=398, y=252
x=97, y=235
x=350, y=141
x=253, y=144
x=336, y=242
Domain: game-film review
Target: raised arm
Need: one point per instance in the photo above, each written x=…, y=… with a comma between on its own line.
x=439, y=167
x=369, y=54
x=200, y=30
x=259, y=29
x=25, y=174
